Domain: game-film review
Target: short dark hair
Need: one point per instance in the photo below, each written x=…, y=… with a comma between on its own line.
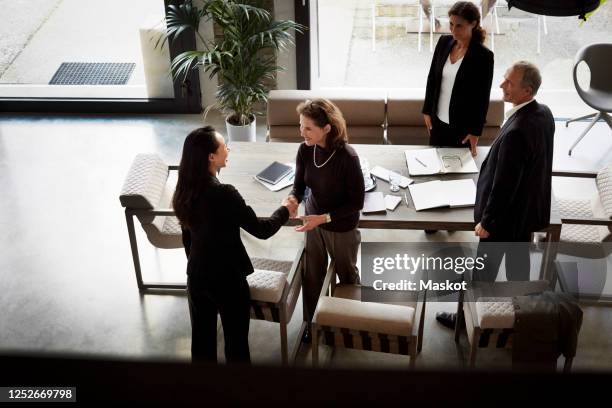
x=531, y=75
x=324, y=112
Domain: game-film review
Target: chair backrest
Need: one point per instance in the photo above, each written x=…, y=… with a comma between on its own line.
x=598, y=57
x=145, y=188
x=144, y=183
x=363, y=110
x=604, y=188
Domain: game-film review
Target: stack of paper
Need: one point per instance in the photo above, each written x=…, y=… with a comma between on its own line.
x=383, y=174
x=452, y=193
x=424, y=162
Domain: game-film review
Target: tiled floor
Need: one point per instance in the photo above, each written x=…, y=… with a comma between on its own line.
x=66, y=271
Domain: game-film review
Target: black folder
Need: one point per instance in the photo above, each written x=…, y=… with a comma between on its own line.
x=274, y=172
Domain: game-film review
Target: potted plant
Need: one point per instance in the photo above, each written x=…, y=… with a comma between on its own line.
x=243, y=60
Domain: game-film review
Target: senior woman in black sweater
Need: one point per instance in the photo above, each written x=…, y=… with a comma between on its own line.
x=211, y=214
x=329, y=167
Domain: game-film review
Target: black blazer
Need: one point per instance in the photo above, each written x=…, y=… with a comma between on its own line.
x=514, y=186
x=213, y=245
x=472, y=88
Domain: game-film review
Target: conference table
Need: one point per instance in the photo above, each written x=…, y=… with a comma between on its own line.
x=248, y=158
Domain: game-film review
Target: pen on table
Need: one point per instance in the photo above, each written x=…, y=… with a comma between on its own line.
x=422, y=164
x=406, y=199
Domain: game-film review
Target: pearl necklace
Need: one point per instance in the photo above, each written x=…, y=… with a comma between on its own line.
x=314, y=158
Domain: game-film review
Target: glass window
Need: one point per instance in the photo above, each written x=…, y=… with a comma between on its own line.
x=387, y=44
x=83, y=49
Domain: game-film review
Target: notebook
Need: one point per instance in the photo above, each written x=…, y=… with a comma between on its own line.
x=374, y=203
x=435, y=194
x=274, y=173
x=442, y=160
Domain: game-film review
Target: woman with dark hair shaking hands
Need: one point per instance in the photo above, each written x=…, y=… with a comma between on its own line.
x=211, y=215
x=459, y=82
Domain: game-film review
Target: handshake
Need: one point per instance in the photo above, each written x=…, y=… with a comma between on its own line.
x=309, y=222
x=292, y=205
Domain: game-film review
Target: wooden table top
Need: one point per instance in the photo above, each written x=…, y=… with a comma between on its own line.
x=247, y=159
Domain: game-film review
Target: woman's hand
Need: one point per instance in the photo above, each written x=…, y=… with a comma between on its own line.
x=479, y=231
x=311, y=222
x=428, y=125
x=473, y=140
x=292, y=205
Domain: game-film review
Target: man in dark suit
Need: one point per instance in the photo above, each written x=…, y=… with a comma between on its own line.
x=514, y=185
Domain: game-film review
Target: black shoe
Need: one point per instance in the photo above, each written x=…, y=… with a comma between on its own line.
x=431, y=231
x=307, y=336
x=447, y=319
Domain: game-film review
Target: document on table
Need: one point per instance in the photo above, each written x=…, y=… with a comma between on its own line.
x=282, y=183
x=391, y=201
x=435, y=194
x=374, y=203
x=443, y=160
x=383, y=174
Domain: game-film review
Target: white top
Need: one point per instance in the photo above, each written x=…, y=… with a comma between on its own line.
x=516, y=108
x=449, y=73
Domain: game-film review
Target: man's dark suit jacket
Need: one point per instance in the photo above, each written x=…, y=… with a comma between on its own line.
x=472, y=88
x=213, y=245
x=514, y=186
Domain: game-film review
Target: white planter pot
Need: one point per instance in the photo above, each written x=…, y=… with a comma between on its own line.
x=241, y=133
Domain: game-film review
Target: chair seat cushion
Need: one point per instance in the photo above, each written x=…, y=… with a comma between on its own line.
x=579, y=233
x=495, y=313
x=367, y=316
x=266, y=286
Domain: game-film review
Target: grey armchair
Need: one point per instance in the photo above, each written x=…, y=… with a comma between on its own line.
x=598, y=96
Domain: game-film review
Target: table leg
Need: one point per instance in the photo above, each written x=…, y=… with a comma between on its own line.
x=550, y=252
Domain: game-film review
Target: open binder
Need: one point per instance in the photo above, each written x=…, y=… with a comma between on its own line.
x=442, y=160
x=435, y=194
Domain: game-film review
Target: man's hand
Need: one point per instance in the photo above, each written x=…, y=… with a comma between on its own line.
x=428, y=125
x=473, y=140
x=311, y=222
x=480, y=232
x=292, y=205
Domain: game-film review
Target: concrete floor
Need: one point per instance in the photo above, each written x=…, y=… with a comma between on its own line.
x=66, y=269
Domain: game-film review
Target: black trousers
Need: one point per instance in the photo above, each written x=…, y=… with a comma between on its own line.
x=517, y=262
x=232, y=302
x=445, y=135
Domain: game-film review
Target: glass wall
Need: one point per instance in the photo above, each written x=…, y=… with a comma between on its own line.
x=83, y=49
x=387, y=43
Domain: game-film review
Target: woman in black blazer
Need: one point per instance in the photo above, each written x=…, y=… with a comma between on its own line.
x=211, y=215
x=459, y=81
